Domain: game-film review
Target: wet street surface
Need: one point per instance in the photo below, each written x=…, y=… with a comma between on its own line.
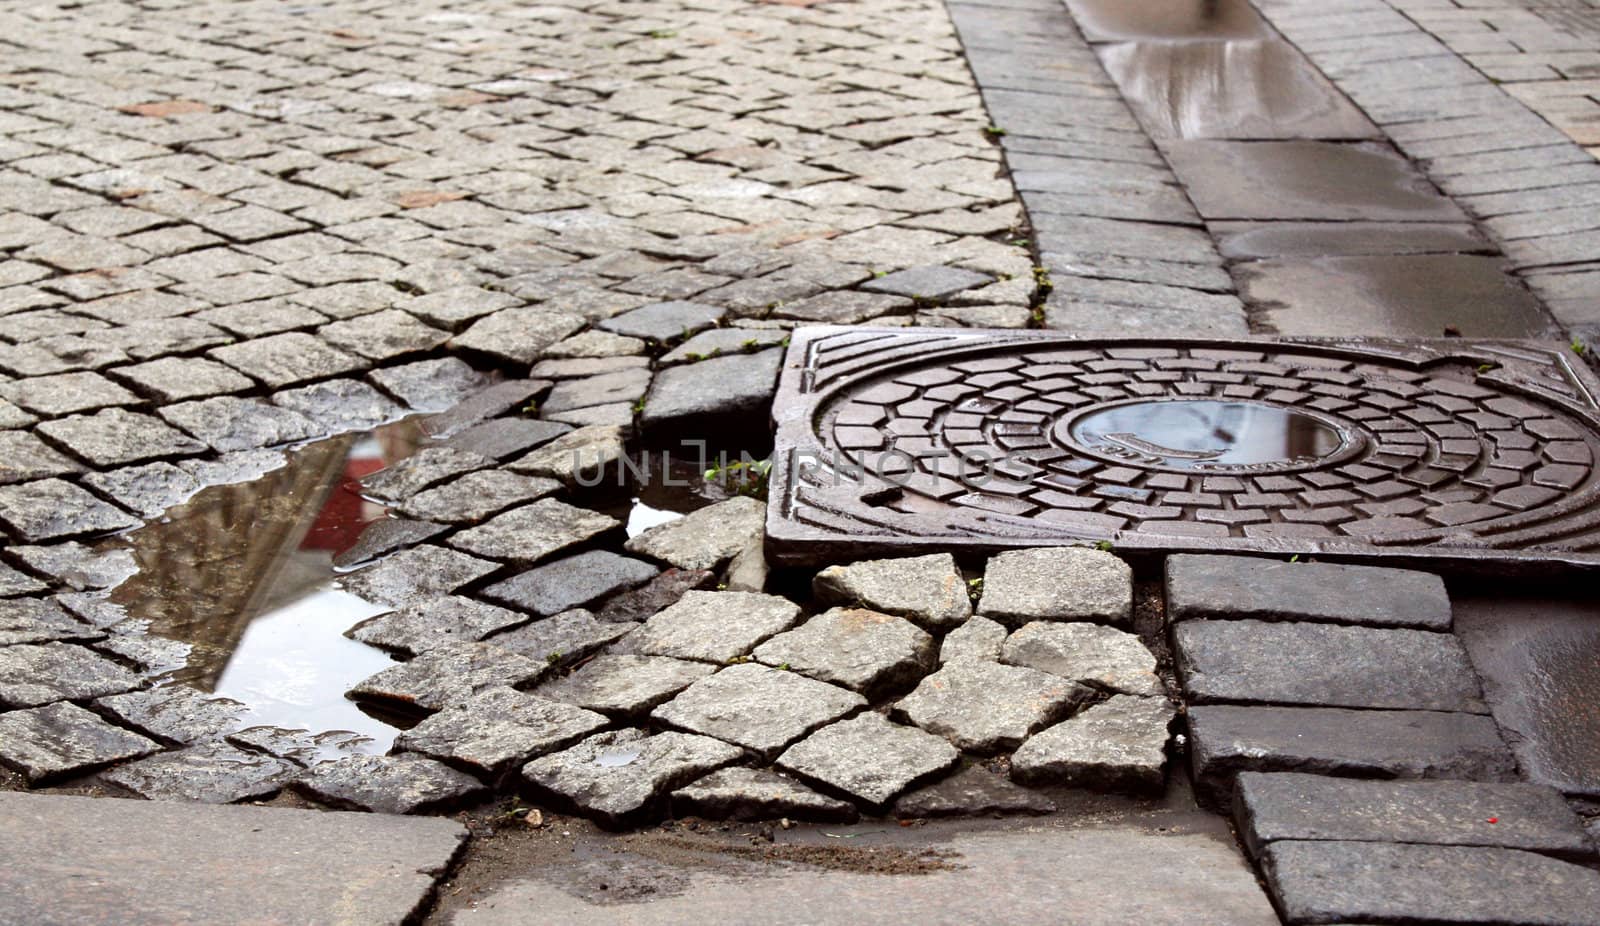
x=387, y=406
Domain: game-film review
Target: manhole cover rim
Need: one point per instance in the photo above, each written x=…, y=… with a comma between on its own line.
x=802, y=395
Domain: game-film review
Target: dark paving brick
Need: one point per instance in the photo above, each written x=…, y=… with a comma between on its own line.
x=1327, y=882
x=1537, y=660
x=1226, y=739
x=1274, y=807
x=1263, y=589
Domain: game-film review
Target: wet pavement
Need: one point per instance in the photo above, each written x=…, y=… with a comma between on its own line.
x=238, y=265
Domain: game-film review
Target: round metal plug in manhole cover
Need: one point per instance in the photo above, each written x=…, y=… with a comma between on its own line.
x=935, y=439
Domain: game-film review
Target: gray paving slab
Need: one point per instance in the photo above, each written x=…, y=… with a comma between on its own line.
x=157, y=862
x=1536, y=658
x=1121, y=875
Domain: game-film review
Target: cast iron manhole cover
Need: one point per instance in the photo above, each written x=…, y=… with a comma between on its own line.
x=906, y=440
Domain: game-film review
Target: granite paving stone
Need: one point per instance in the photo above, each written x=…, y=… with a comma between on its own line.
x=562, y=639
x=1227, y=739
x=628, y=686
x=869, y=759
x=757, y=707
x=713, y=626
x=498, y=728
x=623, y=776
x=1289, y=806
x=663, y=322
x=534, y=532
x=1351, y=882
x=928, y=590
x=339, y=405
x=228, y=423
x=1323, y=664
x=729, y=391
x=658, y=594
x=423, y=469
x=416, y=575
x=216, y=863
x=37, y=620
x=24, y=456
x=572, y=396
x=431, y=624
x=1239, y=587
x=35, y=674
x=1061, y=583
x=1116, y=745
x=210, y=773
x=865, y=651
x=114, y=437
x=476, y=496
x=931, y=283
x=429, y=385
x=13, y=582
x=1094, y=655
x=449, y=674
x=520, y=335
x=384, y=536
x=1536, y=658
x=571, y=582
x=502, y=438
x=750, y=794
x=403, y=784
x=178, y=379
x=77, y=565
x=1304, y=180
x=61, y=740
x=383, y=336
x=587, y=457
x=287, y=359
x=718, y=341
x=973, y=791
x=146, y=490
x=979, y=638
x=986, y=707
x=175, y=714
x=484, y=404
x=706, y=538
x=66, y=394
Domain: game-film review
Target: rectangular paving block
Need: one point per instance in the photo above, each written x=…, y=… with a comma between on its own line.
x=1200, y=586
x=1294, y=662
x=1227, y=739
x=140, y=863
x=1511, y=815
x=1541, y=676
x=1448, y=452
x=1365, y=882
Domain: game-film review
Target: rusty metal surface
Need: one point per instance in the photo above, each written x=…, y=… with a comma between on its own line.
x=1450, y=452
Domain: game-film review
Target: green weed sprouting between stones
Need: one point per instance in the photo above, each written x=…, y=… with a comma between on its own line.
x=975, y=589
x=742, y=477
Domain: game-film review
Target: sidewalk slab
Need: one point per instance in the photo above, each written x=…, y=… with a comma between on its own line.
x=84, y=861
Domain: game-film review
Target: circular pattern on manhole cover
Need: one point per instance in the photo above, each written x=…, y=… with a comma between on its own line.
x=1284, y=441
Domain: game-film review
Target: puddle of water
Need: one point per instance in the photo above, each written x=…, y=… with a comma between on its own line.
x=1239, y=90
x=1132, y=20
x=1204, y=435
x=244, y=573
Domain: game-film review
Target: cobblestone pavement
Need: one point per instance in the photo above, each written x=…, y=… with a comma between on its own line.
x=1543, y=52
x=549, y=236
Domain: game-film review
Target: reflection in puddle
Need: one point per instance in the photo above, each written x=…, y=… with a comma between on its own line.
x=1238, y=90
x=243, y=576
x=244, y=573
x=1124, y=20
x=1204, y=435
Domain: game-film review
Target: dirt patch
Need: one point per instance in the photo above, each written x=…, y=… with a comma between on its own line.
x=761, y=847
